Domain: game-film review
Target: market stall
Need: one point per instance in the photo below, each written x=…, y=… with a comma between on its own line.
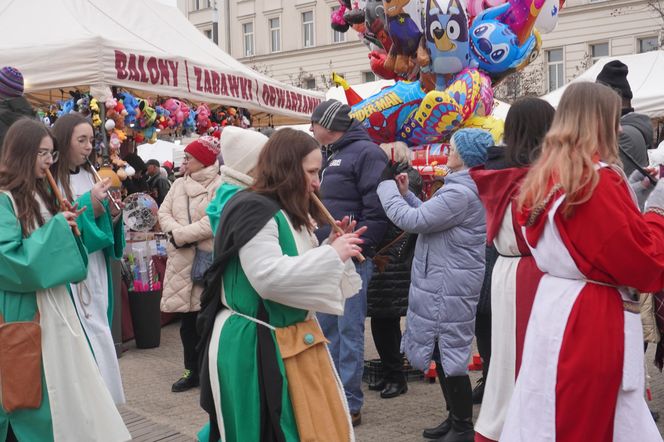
x=141, y=45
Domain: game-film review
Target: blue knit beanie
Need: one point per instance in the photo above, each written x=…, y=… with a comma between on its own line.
x=472, y=145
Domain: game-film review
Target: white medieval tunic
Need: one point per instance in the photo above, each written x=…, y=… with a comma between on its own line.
x=92, y=300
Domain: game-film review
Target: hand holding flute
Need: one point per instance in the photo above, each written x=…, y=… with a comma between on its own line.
x=108, y=192
x=70, y=212
x=342, y=228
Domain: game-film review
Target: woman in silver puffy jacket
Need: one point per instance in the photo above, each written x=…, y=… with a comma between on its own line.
x=447, y=274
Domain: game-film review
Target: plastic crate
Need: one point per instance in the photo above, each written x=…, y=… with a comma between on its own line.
x=373, y=371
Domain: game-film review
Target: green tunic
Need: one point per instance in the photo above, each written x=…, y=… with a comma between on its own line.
x=224, y=193
x=51, y=256
x=237, y=365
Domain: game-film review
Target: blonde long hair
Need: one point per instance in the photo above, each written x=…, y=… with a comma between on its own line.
x=399, y=150
x=584, y=131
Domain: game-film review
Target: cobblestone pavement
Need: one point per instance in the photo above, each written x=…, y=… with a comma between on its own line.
x=148, y=375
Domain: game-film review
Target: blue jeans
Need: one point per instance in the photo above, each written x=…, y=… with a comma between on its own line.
x=346, y=336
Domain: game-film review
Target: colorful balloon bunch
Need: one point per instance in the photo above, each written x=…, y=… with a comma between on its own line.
x=456, y=51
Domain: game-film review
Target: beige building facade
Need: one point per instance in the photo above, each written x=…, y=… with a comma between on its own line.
x=591, y=29
x=291, y=40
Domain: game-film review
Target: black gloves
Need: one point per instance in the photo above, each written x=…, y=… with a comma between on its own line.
x=390, y=171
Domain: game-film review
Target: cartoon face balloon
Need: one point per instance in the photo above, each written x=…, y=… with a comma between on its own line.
x=494, y=46
x=446, y=36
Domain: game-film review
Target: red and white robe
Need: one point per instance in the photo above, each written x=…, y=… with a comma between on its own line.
x=513, y=285
x=582, y=372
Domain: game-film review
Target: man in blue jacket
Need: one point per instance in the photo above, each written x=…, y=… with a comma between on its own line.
x=352, y=167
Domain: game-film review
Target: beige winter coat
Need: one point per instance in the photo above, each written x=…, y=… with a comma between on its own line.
x=650, y=331
x=180, y=294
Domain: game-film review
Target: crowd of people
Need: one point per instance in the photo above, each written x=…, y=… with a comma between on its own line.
x=541, y=249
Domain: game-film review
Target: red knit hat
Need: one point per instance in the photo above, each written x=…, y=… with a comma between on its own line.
x=205, y=149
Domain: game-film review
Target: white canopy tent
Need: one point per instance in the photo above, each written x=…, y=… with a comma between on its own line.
x=162, y=151
x=142, y=45
x=646, y=72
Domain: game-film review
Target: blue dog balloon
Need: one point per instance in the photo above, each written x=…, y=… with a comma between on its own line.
x=494, y=46
x=446, y=36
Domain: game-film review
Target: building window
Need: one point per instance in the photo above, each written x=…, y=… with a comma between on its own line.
x=310, y=83
x=337, y=37
x=598, y=51
x=555, y=67
x=197, y=5
x=275, y=34
x=208, y=33
x=308, y=29
x=248, y=33
x=648, y=44
x=368, y=76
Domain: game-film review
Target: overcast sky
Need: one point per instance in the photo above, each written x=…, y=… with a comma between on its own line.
x=169, y=2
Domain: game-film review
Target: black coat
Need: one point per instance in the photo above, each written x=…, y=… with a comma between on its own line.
x=387, y=295
x=11, y=110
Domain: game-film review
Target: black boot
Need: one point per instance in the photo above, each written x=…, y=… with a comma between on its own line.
x=478, y=391
x=394, y=389
x=377, y=385
x=395, y=385
x=461, y=410
x=462, y=431
x=446, y=425
x=188, y=381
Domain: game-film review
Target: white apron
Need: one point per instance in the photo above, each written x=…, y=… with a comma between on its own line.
x=91, y=298
x=532, y=411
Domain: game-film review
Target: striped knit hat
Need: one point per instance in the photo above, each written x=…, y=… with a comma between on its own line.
x=332, y=115
x=11, y=82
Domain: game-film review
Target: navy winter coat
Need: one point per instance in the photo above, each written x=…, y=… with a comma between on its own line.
x=352, y=167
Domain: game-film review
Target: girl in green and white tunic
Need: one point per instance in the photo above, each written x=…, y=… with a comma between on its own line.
x=103, y=235
x=39, y=257
x=277, y=278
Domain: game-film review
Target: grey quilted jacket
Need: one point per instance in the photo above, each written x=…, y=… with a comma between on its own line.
x=447, y=272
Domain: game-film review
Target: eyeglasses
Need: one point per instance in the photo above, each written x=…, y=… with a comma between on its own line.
x=54, y=154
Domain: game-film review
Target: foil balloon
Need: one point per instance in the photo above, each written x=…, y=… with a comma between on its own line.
x=485, y=104
x=377, y=59
x=475, y=7
x=521, y=17
x=493, y=125
x=445, y=47
x=403, y=25
x=494, y=47
x=140, y=213
x=497, y=78
x=548, y=17
x=384, y=113
x=442, y=112
x=375, y=24
x=337, y=20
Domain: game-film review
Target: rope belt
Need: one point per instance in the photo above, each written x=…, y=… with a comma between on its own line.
x=629, y=305
x=250, y=318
